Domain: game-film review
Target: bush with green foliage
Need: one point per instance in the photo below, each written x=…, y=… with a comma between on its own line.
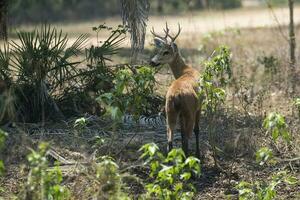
x=131, y=93
x=42, y=182
x=97, y=77
x=213, y=80
x=171, y=174
x=276, y=126
x=265, y=190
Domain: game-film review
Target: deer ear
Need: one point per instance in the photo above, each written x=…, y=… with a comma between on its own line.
x=158, y=42
x=174, y=47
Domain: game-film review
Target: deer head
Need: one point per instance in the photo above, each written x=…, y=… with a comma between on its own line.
x=166, y=50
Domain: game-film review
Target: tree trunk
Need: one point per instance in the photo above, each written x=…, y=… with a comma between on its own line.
x=292, y=40
x=160, y=6
x=3, y=19
x=201, y=4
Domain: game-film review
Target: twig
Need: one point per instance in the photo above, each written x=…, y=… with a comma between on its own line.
x=127, y=143
x=289, y=159
x=277, y=21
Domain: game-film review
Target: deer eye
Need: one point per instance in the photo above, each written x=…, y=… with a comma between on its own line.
x=166, y=53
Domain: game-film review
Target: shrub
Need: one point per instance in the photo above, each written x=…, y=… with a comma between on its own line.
x=41, y=64
x=171, y=174
x=103, y=179
x=95, y=79
x=275, y=124
x=211, y=93
x=265, y=190
x=131, y=93
x=43, y=183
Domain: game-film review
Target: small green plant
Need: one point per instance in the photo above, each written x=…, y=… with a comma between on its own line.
x=264, y=155
x=131, y=93
x=80, y=123
x=105, y=180
x=270, y=64
x=211, y=93
x=216, y=74
x=275, y=125
x=43, y=183
x=171, y=174
x=264, y=190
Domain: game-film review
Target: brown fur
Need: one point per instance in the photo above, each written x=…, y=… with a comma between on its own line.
x=182, y=101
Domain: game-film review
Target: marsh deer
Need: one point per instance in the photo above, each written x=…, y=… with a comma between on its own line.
x=182, y=101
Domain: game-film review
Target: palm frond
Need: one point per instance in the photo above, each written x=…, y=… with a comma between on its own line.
x=5, y=71
x=135, y=16
x=42, y=62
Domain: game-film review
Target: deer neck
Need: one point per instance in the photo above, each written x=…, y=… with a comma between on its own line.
x=178, y=66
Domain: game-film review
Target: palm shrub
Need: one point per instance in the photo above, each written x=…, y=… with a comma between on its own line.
x=7, y=109
x=41, y=63
x=99, y=75
x=97, y=78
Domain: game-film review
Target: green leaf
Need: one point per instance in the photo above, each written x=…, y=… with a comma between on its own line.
x=291, y=180
x=275, y=134
x=2, y=168
x=186, y=176
x=263, y=155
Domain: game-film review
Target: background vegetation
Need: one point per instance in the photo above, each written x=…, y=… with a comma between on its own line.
x=33, y=11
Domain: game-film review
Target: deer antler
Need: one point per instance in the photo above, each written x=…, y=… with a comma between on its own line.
x=158, y=36
x=173, y=38
x=167, y=30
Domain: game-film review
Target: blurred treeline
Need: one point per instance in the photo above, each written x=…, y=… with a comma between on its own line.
x=36, y=11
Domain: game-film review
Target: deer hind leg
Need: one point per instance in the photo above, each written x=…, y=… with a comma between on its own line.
x=188, y=120
x=196, y=131
x=184, y=139
x=171, y=126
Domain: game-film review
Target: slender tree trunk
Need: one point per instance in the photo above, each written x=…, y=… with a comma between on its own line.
x=3, y=19
x=292, y=40
x=160, y=6
x=201, y=4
